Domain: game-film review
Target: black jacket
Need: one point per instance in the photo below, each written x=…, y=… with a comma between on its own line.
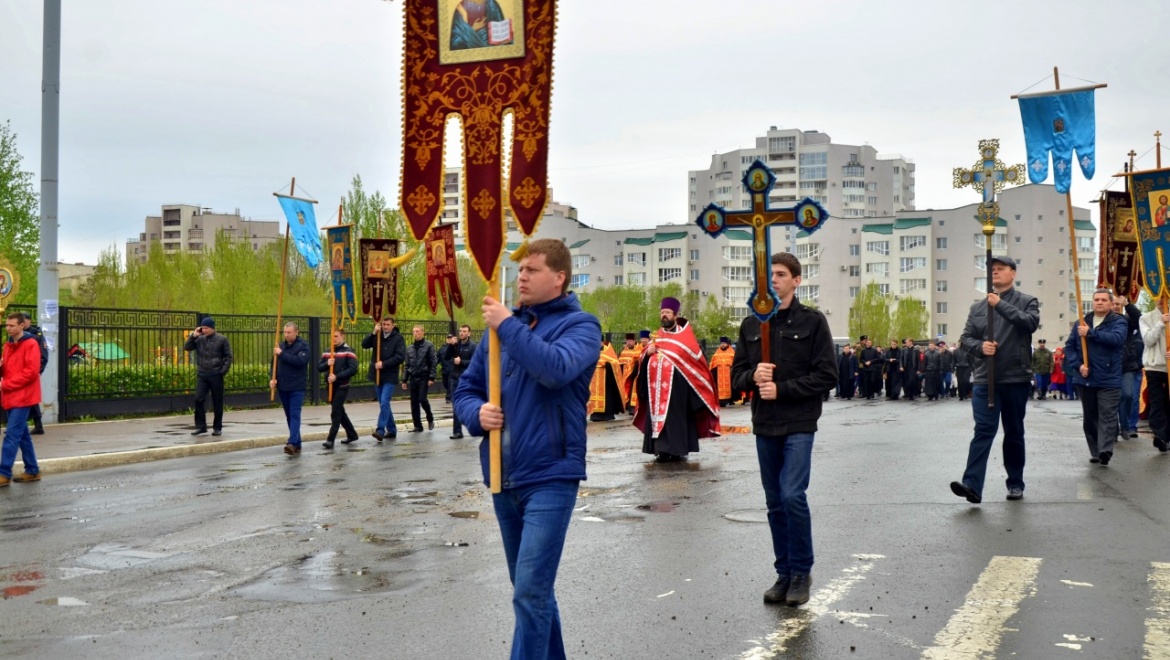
x=393, y=354
x=421, y=360
x=464, y=350
x=213, y=353
x=806, y=368
x=36, y=332
x=345, y=364
x=946, y=360
x=1131, y=360
x=932, y=360
x=962, y=359
x=908, y=360
x=291, y=374
x=869, y=354
x=1016, y=317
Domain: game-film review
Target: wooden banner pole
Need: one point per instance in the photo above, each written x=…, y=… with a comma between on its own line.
x=495, y=460
x=280, y=298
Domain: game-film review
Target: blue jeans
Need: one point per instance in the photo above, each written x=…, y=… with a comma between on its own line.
x=1127, y=411
x=386, y=425
x=16, y=436
x=785, y=464
x=1011, y=402
x=533, y=522
x=292, y=403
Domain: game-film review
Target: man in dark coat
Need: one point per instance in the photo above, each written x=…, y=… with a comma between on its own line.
x=292, y=378
x=931, y=366
x=344, y=362
x=963, y=373
x=459, y=355
x=385, y=362
x=447, y=368
x=908, y=359
x=869, y=362
x=213, y=360
x=846, y=373
x=1098, y=382
x=418, y=374
x=1131, y=368
x=893, y=360
x=35, y=330
x=946, y=367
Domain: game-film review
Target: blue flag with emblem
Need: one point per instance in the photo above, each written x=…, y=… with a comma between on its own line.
x=302, y=224
x=1059, y=123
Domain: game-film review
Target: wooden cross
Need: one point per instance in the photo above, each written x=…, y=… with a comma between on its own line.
x=808, y=215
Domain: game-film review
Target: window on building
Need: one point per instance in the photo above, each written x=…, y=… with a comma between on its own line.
x=981, y=284
x=884, y=289
x=617, y=259
x=853, y=291
x=617, y=280
x=981, y=261
x=940, y=264
x=736, y=295
x=1017, y=239
x=1086, y=244
x=878, y=247
x=877, y=269
x=911, y=242
x=910, y=286
x=737, y=273
x=636, y=258
x=579, y=281
x=1039, y=283
x=855, y=271
x=998, y=242
x=940, y=308
x=669, y=274
x=808, y=292
x=666, y=254
x=854, y=250
x=940, y=243
x=872, y=201
x=694, y=275
x=907, y=264
x=808, y=251
x=940, y=286
x=581, y=261
x=637, y=279
x=809, y=271
x=942, y=329
x=737, y=252
x=1087, y=265
x=694, y=255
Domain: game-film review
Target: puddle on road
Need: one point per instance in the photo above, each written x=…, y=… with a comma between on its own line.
x=658, y=507
x=316, y=578
x=64, y=601
x=21, y=523
x=110, y=556
x=473, y=515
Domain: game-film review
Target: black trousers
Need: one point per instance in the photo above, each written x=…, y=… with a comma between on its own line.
x=338, y=417
x=418, y=399
x=209, y=384
x=456, y=424
x=1159, y=399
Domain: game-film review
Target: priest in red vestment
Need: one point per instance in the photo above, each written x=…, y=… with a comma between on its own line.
x=677, y=403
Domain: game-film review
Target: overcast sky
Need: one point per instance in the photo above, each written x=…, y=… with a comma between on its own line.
x=219, y=102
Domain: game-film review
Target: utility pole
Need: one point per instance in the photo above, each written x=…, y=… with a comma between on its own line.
x=47, y=282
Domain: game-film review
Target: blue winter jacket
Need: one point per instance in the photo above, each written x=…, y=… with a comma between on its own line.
x=1106, y=351
x=292, y=374
x=547, y=355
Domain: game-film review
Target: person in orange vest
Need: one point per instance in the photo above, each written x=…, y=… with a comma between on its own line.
x=721, y=371
x=628, y=359
x=605, y=392
x=20, y=390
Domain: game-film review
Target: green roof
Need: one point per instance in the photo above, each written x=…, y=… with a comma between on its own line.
x=802, y=234
x=639, y=241
x=459, y=247
x=1085, y=225
x=578, y=244
x=669, y=236
x=738, y=235
x=104, y=351
x=907, y=223
x=884, y=228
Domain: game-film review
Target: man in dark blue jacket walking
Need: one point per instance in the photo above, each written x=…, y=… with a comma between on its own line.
x=292, y=377
x=548, y=350
x=1098, y=383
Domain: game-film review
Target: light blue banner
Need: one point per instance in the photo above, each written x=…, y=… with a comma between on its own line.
x=302, y=222
x=1060, y=124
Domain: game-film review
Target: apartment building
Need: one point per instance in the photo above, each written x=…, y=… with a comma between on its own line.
x=187, y=228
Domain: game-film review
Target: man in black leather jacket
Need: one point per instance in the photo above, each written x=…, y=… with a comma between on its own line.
x=1017, y=315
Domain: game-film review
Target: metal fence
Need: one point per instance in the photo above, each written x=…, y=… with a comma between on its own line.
x=128, y=361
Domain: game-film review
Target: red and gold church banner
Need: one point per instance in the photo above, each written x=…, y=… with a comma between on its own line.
x=442, y=275
x=1119, y=268
x=379, y=277
x=477, y=60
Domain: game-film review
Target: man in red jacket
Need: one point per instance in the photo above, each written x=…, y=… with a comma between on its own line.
x=20, y=390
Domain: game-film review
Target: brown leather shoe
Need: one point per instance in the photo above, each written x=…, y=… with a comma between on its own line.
x=25, y=477
x=4, y=481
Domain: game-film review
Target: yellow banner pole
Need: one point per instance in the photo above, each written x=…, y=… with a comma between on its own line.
x=495, y=460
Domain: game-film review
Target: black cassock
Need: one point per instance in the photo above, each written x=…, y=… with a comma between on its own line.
x=613, y=399
x=846, y=368
x=680, y=432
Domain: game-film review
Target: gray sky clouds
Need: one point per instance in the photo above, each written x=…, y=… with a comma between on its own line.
x=220, y=102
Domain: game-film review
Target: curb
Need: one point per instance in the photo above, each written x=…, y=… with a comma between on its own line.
x=112, y=459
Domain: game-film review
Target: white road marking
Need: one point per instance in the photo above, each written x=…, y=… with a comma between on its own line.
x=1158, y=624
x=592, y=519
x=1076, y=584
x=1075, y=647
x=977, y=628
x=666, y=594
x=816, y=607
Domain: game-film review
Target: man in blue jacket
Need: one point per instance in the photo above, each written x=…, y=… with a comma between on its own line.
x=548, y=349
x=292, y=377
x=1098, y=383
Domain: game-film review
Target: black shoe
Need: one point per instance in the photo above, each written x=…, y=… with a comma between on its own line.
x=348, y=441
x=1160, y=445
x=457, y=436
x=1105, y=456
x=431, y=425
x=1015, y=494
x=217, y=432
x=328, y=444
x=963, y=490
x=1132, y=434
x=378, y=436
x=198, y=431
x=37, y=430
x=778, y=592
x=415, y=430
x=798, y=590
x=1094, y=460
x=391, y=437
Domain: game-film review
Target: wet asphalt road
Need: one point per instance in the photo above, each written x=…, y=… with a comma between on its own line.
x=392, y=551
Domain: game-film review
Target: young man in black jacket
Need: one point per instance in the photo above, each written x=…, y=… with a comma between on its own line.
x=418, y=375
x=213, y=360
x=459, y=355
x=35, y=331
x=784, y=419
x=345, y=365
x=384, y=367
x=292, y=378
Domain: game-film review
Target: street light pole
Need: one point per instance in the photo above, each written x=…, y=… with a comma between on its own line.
x=47, y=281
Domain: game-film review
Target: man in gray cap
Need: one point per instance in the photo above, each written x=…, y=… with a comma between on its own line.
x=213, y=359
x=1017, y=315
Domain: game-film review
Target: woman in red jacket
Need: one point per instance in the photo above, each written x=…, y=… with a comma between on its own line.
x=1058, y=379
x=20, y=390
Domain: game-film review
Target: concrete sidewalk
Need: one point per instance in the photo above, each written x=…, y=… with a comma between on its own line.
x=88, y=445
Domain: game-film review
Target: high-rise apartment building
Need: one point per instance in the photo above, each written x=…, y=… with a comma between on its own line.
x=187, y=228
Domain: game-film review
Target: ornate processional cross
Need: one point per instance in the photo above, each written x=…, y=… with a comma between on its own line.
x=808, y=215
